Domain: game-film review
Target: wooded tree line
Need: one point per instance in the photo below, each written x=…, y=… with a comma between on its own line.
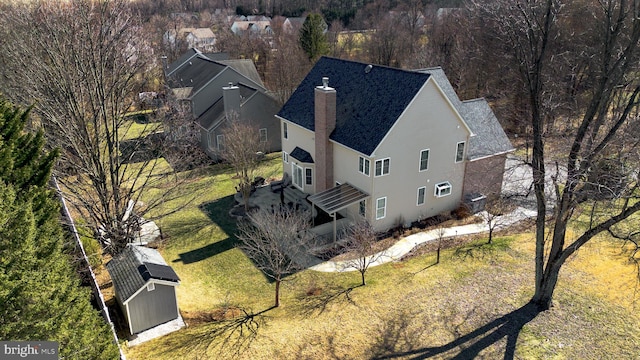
x=40, y=293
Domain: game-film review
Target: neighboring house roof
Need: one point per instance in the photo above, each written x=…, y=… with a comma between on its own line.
x=259, y=26
x=214, y=115
x=301, y=155
x=369, y=100
x=490, y=139
x=136, y=266
x=195, y=73
x=202, y=33
x=245, y=67
x=217, y=56
x=181, y=60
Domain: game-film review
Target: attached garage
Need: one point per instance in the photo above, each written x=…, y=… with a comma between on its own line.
x=145, y=287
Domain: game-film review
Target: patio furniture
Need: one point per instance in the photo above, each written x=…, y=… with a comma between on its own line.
x=281, y=184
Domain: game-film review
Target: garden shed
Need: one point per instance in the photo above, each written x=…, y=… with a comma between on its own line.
x=145, y=287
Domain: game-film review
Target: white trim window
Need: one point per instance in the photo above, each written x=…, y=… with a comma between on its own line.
x=362, y=208
x=424, y=160
x=285, y=130
x=263, y=135
x=421, y=195
x=442, y=189
x=297, y=175
x=381, y=208
x=382, y=167
x=460, y=151
x=220, y=142
x=285, y=157
x=364, y=166
x=308, y=176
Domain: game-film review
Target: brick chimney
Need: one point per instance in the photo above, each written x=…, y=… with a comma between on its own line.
x=325, y=123
x=231, y=99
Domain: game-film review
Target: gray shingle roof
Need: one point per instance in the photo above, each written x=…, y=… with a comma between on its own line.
x=490, y=138
x=194, y=73
x=245, y=67
x=368, y=102
x=181, y=60
x=134, y=267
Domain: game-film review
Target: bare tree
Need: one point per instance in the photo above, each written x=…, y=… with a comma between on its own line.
x=240, y=148
x=83, y=64
x=287, y=64
x=602, y=117
x=277, y=242
x=493, y=213
x=359, y=242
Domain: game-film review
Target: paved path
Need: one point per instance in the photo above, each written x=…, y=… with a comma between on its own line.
x=405, y=245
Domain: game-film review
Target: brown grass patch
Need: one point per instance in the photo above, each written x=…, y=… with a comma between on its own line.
x=194, y=318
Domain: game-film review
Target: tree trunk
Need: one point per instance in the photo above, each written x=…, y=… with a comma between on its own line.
x=362, y=275
x=544, y=293
x=490, y=234
x=277, y=303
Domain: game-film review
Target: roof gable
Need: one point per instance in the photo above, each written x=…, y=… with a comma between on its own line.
x=370, y=99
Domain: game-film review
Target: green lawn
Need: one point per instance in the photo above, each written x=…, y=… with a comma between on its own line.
x=407, y=309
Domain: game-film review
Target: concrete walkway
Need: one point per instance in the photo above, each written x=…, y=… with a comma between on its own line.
x=405, y=245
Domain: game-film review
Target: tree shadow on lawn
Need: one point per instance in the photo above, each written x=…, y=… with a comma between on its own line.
x=507, y=326
x=316, y=299
x=227, y=333
x=218, y=212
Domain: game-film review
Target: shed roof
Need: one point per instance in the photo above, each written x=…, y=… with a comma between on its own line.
x=134, y=267
x=370, y=99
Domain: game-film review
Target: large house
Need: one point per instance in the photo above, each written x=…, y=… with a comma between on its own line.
x=213, y=87
x=391, y=145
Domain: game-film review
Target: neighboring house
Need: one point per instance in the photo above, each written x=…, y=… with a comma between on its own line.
x=212, y=89
x=391, y=145
x=262, y=27
x=292, y=25
x=201, y=38
x=145, y=288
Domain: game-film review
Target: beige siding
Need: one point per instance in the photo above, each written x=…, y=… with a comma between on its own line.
x=304, y=139
x=430, y=122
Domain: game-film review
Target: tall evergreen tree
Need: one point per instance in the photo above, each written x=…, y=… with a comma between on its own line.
x=40, y=295
x=313, y=39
